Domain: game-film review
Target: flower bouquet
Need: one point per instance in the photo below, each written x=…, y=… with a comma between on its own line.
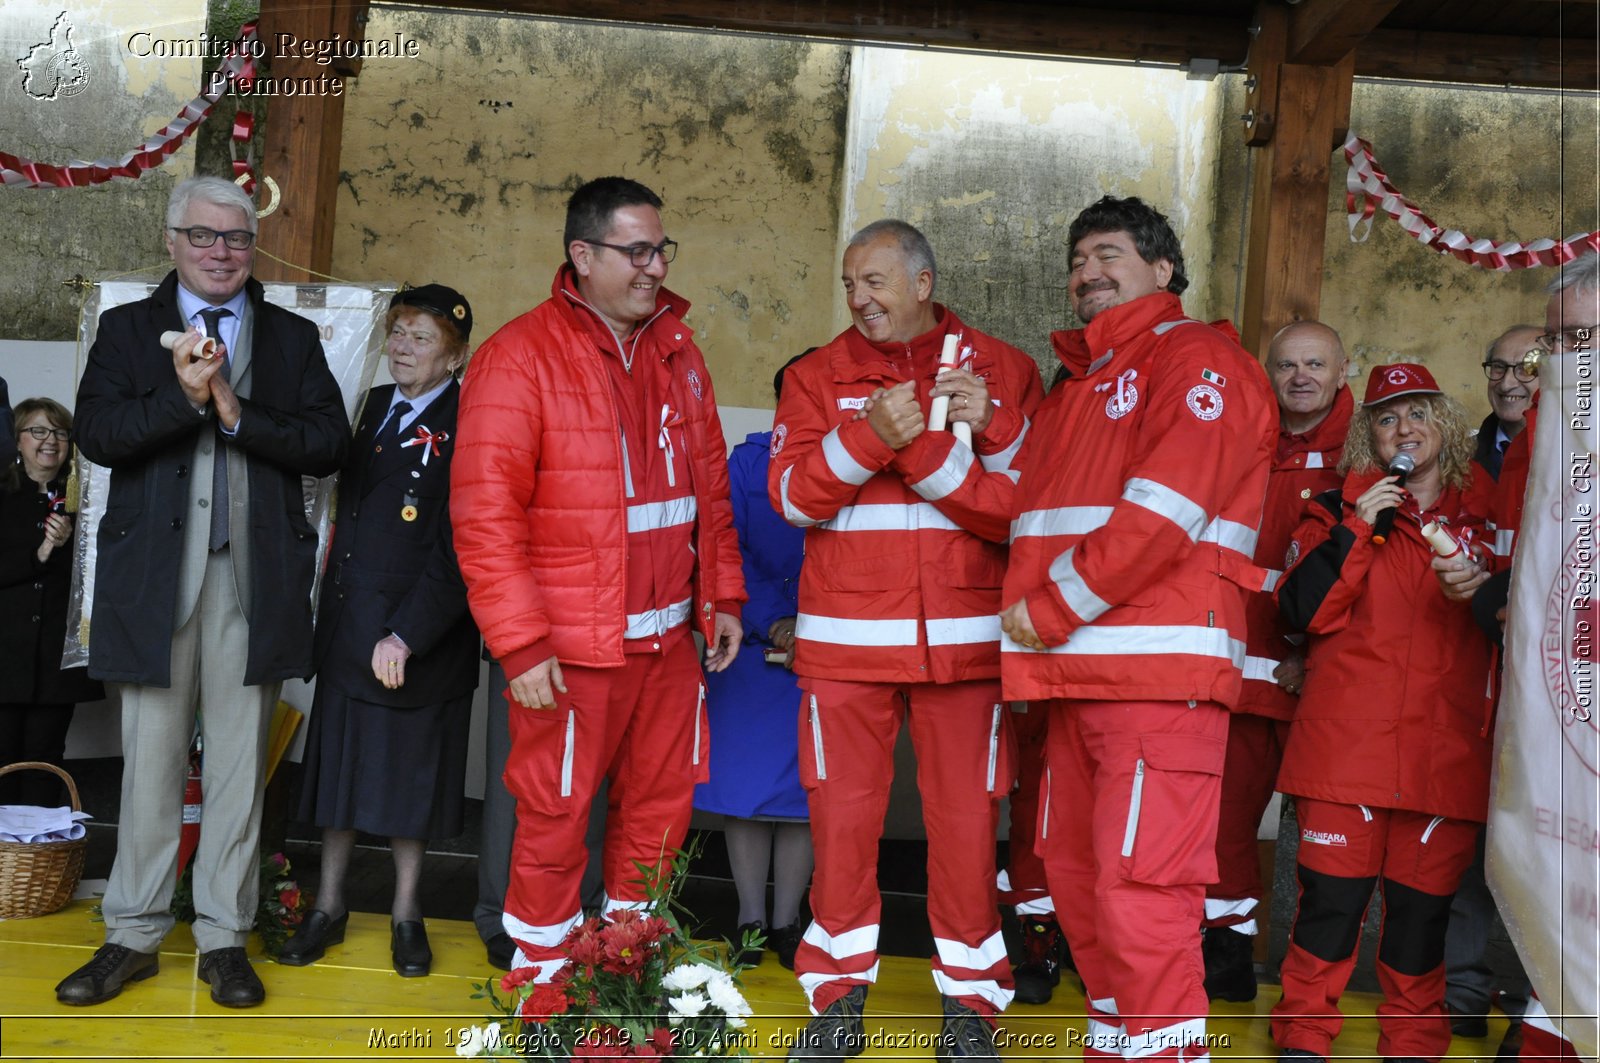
x=634, y=987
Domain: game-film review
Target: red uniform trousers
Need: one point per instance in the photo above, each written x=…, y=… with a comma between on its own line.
x=1255, y=750
x=640, y=726
x=1022, y=882
x=962, y=736
x=1344, y=851
x=1129, y=842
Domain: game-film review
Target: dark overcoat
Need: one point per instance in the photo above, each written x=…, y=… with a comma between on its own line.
x=134, y=418
x=392, y=566
x=33, y=608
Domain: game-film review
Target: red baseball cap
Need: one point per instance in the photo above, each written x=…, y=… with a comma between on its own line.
x=1392, y=381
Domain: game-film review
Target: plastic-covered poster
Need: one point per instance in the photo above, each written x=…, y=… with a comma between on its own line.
x=350, y=319
x=1543, y=849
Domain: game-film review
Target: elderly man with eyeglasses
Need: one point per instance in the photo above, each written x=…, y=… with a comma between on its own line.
x=206, y=559
x=589, y=499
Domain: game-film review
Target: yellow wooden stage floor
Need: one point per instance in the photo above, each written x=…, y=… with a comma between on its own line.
x=353, y=1006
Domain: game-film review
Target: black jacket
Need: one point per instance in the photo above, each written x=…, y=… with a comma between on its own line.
x=134, y=418
x=1487, y=454
x=33, y=608
x=8, y=428
x=389, y=574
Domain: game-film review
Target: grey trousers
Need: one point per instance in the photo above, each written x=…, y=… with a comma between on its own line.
x=208, y=659
x=500, y=821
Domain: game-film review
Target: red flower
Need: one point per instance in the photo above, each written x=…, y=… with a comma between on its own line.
x=289, y=898
x=628, y=943
x=586, y=946
x=544, y=1001
x=661, y=1040
x=520, y=976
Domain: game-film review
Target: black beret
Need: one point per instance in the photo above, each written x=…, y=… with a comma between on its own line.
x=436, y=298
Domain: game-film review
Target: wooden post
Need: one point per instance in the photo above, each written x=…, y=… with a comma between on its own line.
x=303, y=136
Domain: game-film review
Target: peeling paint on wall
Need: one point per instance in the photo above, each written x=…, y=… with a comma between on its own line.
x=457, y=167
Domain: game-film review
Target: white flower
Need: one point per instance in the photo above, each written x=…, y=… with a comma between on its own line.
x=478, y=1042
x=726, y=997
x=687, y=976
x=686, y=1006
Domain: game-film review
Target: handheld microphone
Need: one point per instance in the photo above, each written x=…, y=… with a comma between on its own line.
x=1400, y=465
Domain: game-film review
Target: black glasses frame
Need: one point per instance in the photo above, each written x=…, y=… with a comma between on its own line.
x=200, y=236
x=667, y=249
x=1496, y=371
x=41, y=433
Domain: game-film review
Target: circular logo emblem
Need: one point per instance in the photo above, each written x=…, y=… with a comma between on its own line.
x=1205, y=402
x=694, y=383
x=1291, y=555
x=459, y=311
x=1129, y=398
x=779, y=434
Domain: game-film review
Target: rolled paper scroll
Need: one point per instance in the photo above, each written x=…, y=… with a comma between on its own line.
x=1442, y=542
x=939, y=412
x=207, y=349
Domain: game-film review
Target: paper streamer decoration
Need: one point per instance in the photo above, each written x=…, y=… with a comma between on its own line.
x=17, y=172
x=1368, y=190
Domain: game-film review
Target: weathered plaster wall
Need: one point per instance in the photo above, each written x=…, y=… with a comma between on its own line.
x=109, y=228
x=993, y=158
x=457, y=167
x=1490, y=163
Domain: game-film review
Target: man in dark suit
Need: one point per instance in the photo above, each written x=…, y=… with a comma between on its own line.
x=1512, y=387
x=204, y=574
x=396, y=649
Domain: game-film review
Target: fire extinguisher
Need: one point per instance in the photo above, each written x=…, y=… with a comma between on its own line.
x=189, y=838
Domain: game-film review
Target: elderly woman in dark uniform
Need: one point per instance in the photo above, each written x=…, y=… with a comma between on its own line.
x=396, y=650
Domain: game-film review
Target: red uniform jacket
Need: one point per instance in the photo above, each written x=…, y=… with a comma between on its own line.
x=905, y=549
x=1138, y=511
x=537, y=498
x=1392, y=714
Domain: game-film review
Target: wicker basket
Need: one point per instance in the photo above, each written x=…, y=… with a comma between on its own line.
x=37, y=878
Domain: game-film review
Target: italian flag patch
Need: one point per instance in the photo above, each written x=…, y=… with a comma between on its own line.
x=1215, y=378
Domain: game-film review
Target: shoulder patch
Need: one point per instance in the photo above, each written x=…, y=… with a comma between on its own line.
x=1205, y=402
x=693, y=377
x=779, y=434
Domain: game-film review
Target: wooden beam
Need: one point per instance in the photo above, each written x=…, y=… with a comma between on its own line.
x=999, y=26
x=1271, y=38
x=1534, y=62
x=1289, y=204
x=303, y=135
x=1325, y=31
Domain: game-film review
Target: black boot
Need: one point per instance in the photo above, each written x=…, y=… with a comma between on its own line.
x=1039, y=972
x=1230, y=964
x=966, y=1035
x=836, y=1033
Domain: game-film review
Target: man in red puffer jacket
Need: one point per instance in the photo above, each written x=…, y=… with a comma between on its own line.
x=590, y=502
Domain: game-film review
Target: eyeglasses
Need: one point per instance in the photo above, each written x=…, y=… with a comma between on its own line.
x=1572, y=339
x=40, y=432
x=641, y=255
x=200, y=236
x=1523, y=371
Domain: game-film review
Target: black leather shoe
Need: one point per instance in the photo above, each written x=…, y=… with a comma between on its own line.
x=103, y=977
x=785, y=941
x=965, y=1035
x=312, y=938
x=408, y=941
x=232, y=979
x=835, y=1034
x=502, y=950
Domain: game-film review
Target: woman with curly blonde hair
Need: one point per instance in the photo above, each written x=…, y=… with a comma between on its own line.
x=1388, y=753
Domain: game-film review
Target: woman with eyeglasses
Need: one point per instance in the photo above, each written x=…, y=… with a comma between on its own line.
x=1388, y=753
x=37, y=695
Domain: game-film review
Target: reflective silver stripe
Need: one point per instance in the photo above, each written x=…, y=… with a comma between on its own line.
x=1164, y=501
x=1500, y=544
x=994, y=757
x=566, y=755
x=1135, y=801
x=947, y=477
x=1104, y=1038
x=1167, y=326
x=1269, y=582
x=857, y=942
x=790, y=512
x=1179, y=1036
x=1366, y=813
x=699, y=705
x=890, y=516
x=958, y=988
x=816, y=740
x=1428, y=832
x=1231, y=535
x=1044, y=813
x=1314, y=460
x=1261, y=668
x=1000, y=461
x=653, y=516
x=981, y=957
x=848, y=632
x=840, y=463
x=627, y=467
x=1067, y=520
x=1083, y=601
x=653, y=622
x=963, y=630
x=1153, y=639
